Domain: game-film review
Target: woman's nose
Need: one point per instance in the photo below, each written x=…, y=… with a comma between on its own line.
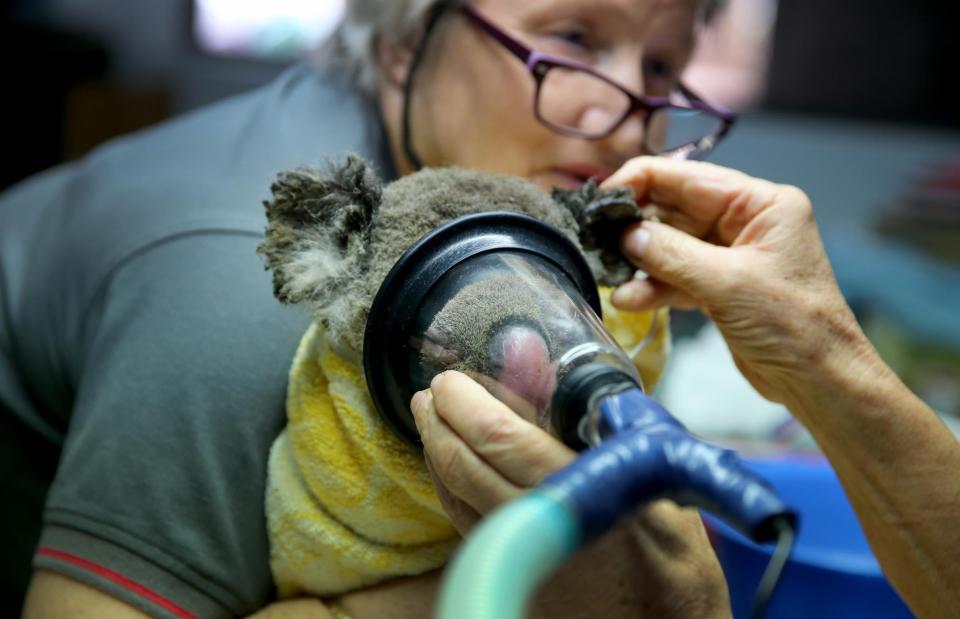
x=627, y=140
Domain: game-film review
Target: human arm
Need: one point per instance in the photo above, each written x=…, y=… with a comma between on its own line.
x=764, y=278
x=52, y=596
x=161, y=477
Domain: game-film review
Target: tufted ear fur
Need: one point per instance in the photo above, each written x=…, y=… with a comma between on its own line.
x=602, y=214
x=318, y=230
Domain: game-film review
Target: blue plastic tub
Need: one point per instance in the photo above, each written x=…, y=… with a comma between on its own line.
x=831, y=573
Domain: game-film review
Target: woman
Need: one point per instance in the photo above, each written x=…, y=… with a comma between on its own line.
x=436, y=113
x=161, y=374
x=772, y=292
x=471, y=103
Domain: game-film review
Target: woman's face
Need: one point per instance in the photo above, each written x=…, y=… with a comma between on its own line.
x=472, y=103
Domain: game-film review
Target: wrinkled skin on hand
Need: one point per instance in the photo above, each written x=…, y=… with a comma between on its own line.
x=745, y=251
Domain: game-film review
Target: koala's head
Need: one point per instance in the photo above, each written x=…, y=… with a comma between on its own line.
x=332, y=237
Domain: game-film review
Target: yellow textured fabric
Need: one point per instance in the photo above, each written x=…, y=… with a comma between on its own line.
x=645, y=336
x=349, y=504
x=335, y=609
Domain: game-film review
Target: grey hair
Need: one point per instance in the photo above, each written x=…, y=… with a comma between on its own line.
x=352, y=47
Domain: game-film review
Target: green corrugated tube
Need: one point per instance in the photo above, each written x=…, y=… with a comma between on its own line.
x=498, y=568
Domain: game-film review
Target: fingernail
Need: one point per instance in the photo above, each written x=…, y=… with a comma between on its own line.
x=636, y=242
x=437, y=380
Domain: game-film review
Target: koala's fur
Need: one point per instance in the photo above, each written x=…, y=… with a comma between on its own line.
x=332, y=238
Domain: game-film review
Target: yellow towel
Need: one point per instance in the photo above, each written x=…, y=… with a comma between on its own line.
x=349, y=504
x=645, y=336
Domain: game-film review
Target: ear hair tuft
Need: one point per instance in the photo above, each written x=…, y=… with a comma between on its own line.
x=318, y=228
x=602, y=214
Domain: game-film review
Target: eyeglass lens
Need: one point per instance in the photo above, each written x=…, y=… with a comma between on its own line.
x=582, y=103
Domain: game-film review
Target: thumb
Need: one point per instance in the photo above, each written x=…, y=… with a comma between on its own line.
x=675, y=258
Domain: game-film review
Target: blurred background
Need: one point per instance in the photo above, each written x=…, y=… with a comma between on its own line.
x=856, y=102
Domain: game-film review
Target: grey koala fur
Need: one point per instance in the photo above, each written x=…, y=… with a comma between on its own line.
x=468, y=321
x=332, y=237
x=602, y=215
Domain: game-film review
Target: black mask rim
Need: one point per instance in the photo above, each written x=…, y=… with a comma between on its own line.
x=390, y=321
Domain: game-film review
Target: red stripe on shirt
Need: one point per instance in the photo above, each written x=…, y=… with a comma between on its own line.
x=119, y=579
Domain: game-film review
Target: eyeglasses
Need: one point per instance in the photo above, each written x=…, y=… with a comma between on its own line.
x=574, y=99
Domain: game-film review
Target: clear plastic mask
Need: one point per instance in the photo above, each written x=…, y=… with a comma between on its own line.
x=516, y=324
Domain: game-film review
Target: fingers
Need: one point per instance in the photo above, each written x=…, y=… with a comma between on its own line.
x=638, y=295
x=463, y=515
x=692, y=270
x=700, y=198
x=519, y=450
x=480, y=449
x=455, y=465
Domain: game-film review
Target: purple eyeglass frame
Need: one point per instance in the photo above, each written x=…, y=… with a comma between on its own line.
x=539, y=63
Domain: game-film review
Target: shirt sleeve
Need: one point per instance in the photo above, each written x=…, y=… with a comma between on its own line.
x=159, y=495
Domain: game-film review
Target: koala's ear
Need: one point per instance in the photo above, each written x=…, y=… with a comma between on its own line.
x=318, y=227
x=602, y=215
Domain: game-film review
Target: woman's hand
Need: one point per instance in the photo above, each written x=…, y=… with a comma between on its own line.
x=481, y=454
x=745, y=251
x=762, y=275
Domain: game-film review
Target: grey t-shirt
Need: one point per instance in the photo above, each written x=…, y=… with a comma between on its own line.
x=140, y=342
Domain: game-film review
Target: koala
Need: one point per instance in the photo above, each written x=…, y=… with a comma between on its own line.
x=332, y=237
x=349, y=503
